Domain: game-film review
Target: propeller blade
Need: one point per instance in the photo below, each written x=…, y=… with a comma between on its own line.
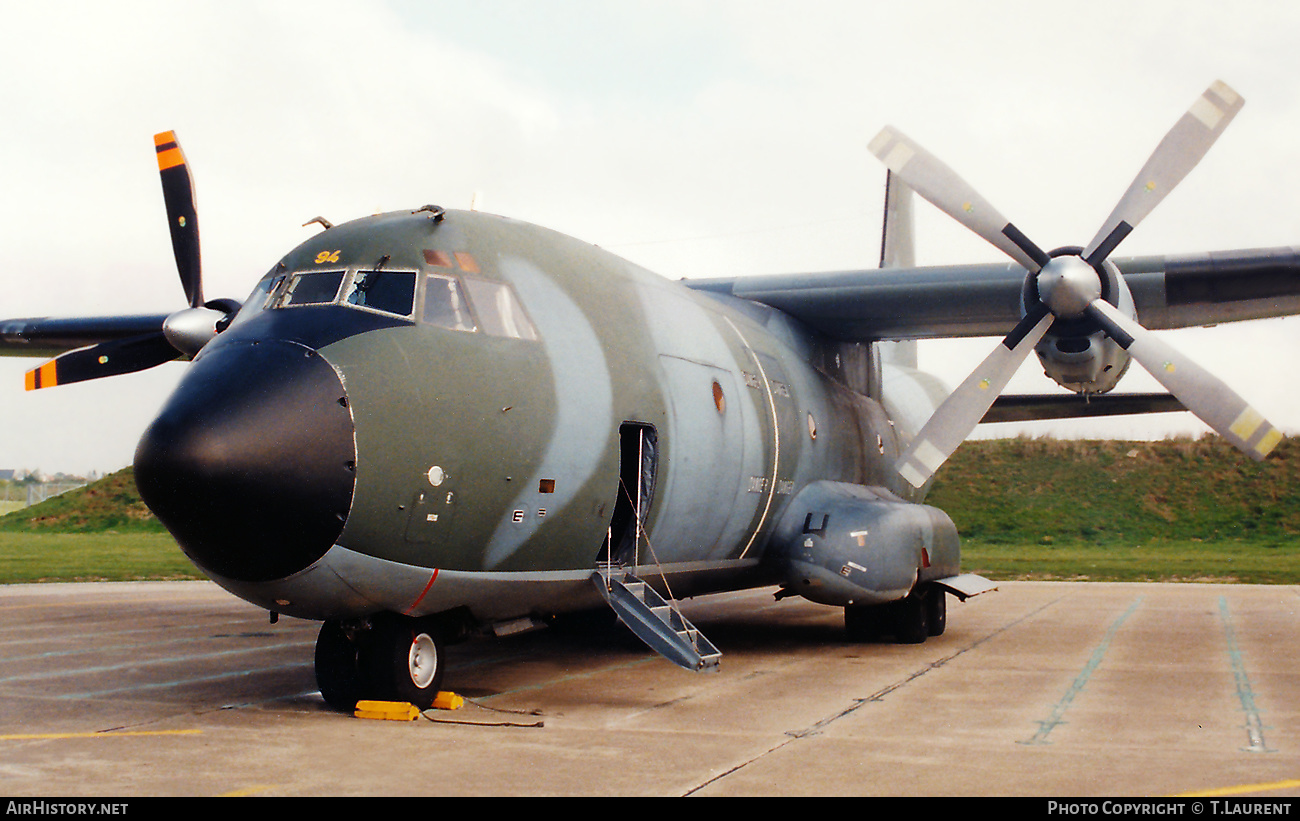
x=939, y=184
x=1178, y=153
x=182, y=215
x=1201, y=392
x=105, y=359
x=962, y=411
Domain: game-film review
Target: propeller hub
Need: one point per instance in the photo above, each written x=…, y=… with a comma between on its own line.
x=189, y=329
x=1067, y=285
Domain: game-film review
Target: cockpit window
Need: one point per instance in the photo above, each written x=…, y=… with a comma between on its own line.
x=455, y=302
x=445, y=305
x=259, y=299
x=392, y=292
x=314, y=288
x=498, y=309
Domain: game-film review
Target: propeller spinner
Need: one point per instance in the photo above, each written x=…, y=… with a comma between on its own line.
x=1070, y=287
x=184, y=332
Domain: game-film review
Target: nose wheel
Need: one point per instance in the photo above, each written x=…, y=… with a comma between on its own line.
x=393, y=658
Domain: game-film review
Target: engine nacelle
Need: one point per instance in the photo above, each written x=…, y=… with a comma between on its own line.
x=845, y=545
x=1084, y=364
x=1076, y=353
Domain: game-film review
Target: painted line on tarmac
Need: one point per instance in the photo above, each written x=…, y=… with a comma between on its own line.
x=1046, y=726
x=137, y=664
x=181, y=682
x=111, y=734
x=1254, y=721
x=102, y=649
x=1242, y=789
x=253, y=789
x=817, y=727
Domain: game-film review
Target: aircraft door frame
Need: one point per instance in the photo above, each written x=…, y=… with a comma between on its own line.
x=638, y=468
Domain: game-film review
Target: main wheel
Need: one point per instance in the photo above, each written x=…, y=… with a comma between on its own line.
x=938, y=616
x=911, y=617
x=864, y=622
x=406, y=660
x=338, y=667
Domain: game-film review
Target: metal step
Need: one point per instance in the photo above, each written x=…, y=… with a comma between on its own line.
x=663, y=628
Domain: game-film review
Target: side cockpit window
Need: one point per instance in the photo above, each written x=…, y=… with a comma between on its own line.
x=259, y=300
x=498, y=309
x=445, y=305
x=471, y=304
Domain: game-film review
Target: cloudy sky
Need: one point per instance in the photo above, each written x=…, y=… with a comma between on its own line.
x=696, y=138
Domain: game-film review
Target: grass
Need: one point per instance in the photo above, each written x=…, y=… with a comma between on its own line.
x=111, y=505
x=1158, y=561
x=84, y=557
x=101, y=532
x=1180, y=510
x=1177, y=510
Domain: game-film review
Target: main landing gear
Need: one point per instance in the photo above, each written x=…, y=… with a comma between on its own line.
x=384, y=658
x=910, y=620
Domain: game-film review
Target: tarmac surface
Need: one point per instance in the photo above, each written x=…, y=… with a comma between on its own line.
x=1047, y=689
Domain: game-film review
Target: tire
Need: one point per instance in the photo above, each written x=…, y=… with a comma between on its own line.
x=864, y=623
x=911, y=617
x=938, y=615
x=338, y=668
x=406, y=659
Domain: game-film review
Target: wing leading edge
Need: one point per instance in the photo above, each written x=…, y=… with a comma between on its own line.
x=985, y=300
x=51, y=336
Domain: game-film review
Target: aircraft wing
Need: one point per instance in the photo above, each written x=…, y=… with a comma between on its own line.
x=94, y=347
x=985, y=300
x=50, y=336
x=88, y=347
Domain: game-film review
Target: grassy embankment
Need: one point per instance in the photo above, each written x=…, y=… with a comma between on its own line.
x=1178, y=510
x=101, y=532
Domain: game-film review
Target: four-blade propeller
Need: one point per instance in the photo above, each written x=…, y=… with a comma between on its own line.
x=1069, y=287
x=184, y=332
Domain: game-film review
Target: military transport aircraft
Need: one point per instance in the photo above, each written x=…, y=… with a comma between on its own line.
x=428, y=424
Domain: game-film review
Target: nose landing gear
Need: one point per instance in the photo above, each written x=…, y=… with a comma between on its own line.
x=385, y=658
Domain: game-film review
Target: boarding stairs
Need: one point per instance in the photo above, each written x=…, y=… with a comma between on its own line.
x=657, y=623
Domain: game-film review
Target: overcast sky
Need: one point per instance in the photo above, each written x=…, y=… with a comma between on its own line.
x=695, y=138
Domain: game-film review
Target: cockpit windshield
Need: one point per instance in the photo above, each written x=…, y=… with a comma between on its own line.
x=388, y=292
x=454, y=300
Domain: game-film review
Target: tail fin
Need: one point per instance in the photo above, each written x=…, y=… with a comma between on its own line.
x=897, y=247
x=898, y=250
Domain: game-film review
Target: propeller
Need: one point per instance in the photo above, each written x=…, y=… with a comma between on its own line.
x=184, y=332
x=182, y=215
x=1069, y=286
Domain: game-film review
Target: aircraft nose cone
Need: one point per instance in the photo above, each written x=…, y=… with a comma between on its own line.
x=251, y=462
